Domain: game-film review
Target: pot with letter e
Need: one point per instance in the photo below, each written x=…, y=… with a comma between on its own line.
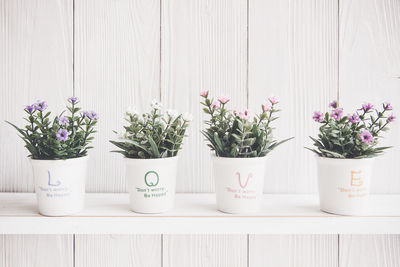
x=240, y=143
x=150, y=145
x=345, y=148
x=58, y=155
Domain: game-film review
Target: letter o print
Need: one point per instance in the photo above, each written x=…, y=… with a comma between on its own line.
x=151, y=178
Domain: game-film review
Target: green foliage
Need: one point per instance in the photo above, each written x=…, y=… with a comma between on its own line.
x=153, y=134
x=63, y=137
x=352, y=136
x=235, y=134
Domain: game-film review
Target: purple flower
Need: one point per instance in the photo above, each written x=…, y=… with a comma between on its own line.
x=354, y=118
x=73, y=99
x=40, y=105
x=30, y=108
x=63, y=121
x=333, y=104
x=91, y=115
x=366, y=137
x=62, y=135
x=366, y=107
x=387, y=106
x=318, y=116
x=337, y=113
x=391, y=118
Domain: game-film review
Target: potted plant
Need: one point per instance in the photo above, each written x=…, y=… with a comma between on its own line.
x=150, y=145
x=345, y=149
x=58, y=154
x=240, y=144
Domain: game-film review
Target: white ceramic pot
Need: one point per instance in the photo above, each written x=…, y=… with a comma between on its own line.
x=60, y=185
x=151, y=184
x=344, y=185
x=239, y=183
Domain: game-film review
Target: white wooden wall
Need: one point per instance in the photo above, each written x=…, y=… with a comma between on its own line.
x=115, y=53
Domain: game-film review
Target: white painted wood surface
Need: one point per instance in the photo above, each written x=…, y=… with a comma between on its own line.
x=369, y=71
x=292, y=54
x=117, y=65
x=36, y=251
x=205, y=250
x=369, y=250
x=303, y=51
x=293, y=250
x=204, y=47
x=118, y=250
x=194, y=214
x=36, y=63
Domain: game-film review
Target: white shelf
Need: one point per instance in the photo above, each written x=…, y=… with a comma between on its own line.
x=197, y=214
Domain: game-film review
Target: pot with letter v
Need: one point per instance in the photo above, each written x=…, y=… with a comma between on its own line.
x=239, y=183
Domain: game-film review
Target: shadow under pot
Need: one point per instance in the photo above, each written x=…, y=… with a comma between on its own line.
x=239, y=183
x=151, y=184
x=344, y=185
x=60, y=185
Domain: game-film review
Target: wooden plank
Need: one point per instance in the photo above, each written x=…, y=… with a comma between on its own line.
x=36, y=63
x=117, y=64
x=118, y=250
x=293, y=54
x=369, y=250
x=370, y=72
x=194, y=214
x=293, y=250
x=204, y=250
x=36, y=250
x=204, y=47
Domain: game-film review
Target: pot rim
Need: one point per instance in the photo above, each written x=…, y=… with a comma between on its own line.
x=319, y=158
x=152, y=159
x=70, y=160
x=253, y=159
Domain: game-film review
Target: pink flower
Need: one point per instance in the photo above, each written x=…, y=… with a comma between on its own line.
x=273, y=100
x=366, y=107
x=204, y=93
x=224, y=99
x=387, y=106
x=353, y=118
x=391, y=118
x=333, y=104
x=215, y=104
x=366, y=137
x=337, y=113
x=318, y=116
x=244, y=115
x=266, y=107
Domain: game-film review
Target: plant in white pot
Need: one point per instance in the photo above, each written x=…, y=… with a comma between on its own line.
x=58, y=154
x=240, y=143
x=345, y=149
x=150, y=145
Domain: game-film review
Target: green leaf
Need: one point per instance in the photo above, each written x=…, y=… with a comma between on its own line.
x=154, y=147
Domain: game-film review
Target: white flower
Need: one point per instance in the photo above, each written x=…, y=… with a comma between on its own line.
x=121, y=136
x=187, y=117
x=155, y=104
x=131, y=110
x=172, y=113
